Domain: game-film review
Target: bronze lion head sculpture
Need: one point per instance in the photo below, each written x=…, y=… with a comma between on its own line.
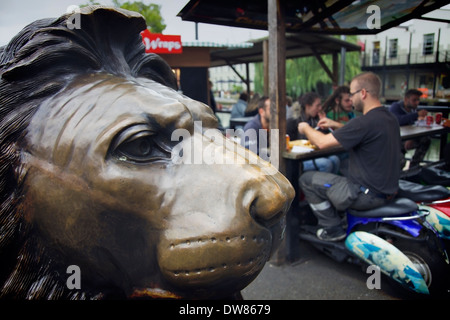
x=87, y=176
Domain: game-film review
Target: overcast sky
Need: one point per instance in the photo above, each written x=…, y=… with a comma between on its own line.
x=16, y=14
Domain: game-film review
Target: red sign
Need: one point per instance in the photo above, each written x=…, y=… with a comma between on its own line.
x=161, y=43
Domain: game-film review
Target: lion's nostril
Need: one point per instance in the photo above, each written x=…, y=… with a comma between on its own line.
x=269, y=201
x=264, y=215
x=260, y=217
x=252, y=209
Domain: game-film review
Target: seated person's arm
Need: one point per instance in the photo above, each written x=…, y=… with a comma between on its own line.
x=326, y=123
x=316, y=137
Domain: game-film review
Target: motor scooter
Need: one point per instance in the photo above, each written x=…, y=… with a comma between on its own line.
x=407, y=239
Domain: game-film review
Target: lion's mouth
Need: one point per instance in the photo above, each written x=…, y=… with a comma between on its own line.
x=216, y=265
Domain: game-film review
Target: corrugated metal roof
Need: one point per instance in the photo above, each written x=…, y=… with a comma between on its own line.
x=324, y=16
x=209, y=44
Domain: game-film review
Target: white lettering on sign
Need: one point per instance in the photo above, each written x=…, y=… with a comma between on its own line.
x=161, y=44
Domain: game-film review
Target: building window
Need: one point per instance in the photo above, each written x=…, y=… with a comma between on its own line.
x=391, y=81
x=376, y=53
x=428, y=43
x=393, y=48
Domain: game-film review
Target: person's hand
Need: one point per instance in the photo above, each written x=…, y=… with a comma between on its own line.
x=322, y=115
x=422, y=114
x=302, y=126
x=326, y=123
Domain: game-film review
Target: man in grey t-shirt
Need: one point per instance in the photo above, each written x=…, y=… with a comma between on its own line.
x=373, y=142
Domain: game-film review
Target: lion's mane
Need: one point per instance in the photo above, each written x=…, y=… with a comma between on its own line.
x=38, y=63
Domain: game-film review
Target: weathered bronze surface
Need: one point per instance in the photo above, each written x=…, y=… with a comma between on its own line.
x=87, y=176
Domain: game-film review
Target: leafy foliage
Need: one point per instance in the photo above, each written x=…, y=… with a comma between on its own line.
x=151, y=13
x=303, y=74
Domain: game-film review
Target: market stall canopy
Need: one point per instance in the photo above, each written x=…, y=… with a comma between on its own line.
x=324, y=16
x=297, y=45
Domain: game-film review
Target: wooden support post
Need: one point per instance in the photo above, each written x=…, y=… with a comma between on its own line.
x=277, y=79
x=247, y=77
x=245, y=80
x=335, y=70
x=265, y=46
x=277, y=94
x=323, y=65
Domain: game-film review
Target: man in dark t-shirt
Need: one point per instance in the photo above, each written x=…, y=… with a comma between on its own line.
x=373, y=142
x=373, y=150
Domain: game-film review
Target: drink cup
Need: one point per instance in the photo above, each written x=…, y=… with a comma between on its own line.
x=288, y=139
x=438, y=118
x=429, y=120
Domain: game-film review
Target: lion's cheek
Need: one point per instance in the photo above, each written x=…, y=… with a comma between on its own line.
x=72, y=217
x=53, y=211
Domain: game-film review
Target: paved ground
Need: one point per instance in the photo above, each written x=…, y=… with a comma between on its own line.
x=315, y=276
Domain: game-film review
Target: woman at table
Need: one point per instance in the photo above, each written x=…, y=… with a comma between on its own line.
x=310, y=112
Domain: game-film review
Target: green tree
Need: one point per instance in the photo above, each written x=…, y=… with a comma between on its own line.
x=303, y=74
x=151, y=13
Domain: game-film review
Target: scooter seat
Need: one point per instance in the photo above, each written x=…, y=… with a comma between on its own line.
x=420, y=193
x=397, y=207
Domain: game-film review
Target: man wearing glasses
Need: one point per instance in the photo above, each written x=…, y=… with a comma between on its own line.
x=373, y=142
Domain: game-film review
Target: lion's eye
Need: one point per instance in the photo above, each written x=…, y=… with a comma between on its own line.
x=138, y=149
x=137, y=144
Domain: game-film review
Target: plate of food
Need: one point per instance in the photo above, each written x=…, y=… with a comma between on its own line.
x=301, y=146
